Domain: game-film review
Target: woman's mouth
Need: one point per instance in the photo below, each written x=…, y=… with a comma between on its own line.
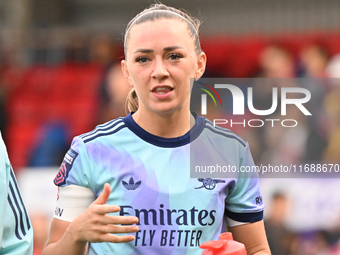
x=162, y=90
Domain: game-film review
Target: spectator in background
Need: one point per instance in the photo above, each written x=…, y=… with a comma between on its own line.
x=333, y=67
x=332, y=109
x=286, y=145
x=324, y=245
x=51, y=142
x=333, y=238
x=117, y=89
x=113, y=89
x=276, y=67
x=279, y=238
x=276, y=62
x=314, y=60
x=305, y=142
x=103, y=50
x=16, y=233
x=333, y=70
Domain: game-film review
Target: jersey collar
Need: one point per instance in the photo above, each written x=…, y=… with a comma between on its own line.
x=166, y=142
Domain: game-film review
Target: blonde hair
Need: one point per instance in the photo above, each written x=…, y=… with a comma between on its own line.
x=156, y=12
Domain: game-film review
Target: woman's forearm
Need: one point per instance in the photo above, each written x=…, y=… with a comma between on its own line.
x=259, y=250
x=67, y=245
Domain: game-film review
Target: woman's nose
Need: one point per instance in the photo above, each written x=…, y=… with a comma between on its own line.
x=160, y=71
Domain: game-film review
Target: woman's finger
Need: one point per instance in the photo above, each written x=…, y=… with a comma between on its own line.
x=124, y=220
x=114, y=229
x=117, y=239
x=104, y=209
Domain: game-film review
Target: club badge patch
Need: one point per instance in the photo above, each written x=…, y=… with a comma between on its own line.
x=65, y=167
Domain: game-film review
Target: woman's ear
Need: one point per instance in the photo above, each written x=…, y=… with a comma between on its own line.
x=201, y=64
x=125, y=71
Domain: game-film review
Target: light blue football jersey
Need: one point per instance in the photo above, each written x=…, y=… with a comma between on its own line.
x=16, y=233
x=150, y=179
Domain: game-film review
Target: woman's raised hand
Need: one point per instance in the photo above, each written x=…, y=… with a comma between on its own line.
x=95, y=225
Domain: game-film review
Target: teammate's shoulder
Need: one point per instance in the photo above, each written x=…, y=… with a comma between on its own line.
x=101, y=131
x=223, y=132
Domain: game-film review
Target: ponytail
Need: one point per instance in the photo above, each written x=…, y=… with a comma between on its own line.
x=132, y=100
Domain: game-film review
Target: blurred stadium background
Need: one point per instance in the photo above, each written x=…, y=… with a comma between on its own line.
x=60, y=76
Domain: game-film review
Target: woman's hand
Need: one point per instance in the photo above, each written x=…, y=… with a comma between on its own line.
x=95, y=225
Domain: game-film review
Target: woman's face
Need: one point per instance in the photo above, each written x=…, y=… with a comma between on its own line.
x=160, y=61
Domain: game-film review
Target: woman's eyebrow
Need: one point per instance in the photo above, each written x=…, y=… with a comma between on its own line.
x=172, y=48
x=144, y=51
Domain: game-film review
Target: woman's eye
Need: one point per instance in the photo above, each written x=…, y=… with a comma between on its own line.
x=142, y=59
x=174, y=56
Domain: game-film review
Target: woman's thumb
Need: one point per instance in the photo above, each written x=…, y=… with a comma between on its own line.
x=103, y=197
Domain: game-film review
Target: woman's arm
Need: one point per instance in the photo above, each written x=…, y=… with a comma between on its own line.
x=94, y=225
x=61, y=241
x=253, y=236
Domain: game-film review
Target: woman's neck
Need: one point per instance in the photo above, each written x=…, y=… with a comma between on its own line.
x=165, y=125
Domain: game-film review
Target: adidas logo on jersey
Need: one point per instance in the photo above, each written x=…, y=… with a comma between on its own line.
x=131, y=185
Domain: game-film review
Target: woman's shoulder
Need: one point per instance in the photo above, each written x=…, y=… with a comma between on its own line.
x=102, y=131
x=222, y=133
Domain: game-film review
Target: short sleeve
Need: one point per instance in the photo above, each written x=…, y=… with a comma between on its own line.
x=74, y=183
x=75, y=168
x=244, y=203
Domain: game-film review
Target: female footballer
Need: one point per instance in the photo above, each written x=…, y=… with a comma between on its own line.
x=125, y=187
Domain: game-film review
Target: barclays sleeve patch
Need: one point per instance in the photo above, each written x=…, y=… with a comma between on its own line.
x=65, y=167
